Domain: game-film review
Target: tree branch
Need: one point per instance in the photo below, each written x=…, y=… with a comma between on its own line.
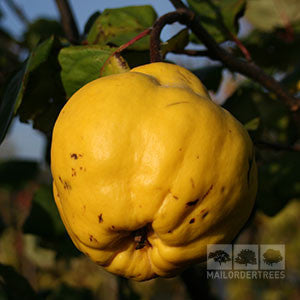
x=18, y=11
x=249, y=69
x=68, y=21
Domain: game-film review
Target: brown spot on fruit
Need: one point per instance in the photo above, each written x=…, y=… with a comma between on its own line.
x=175, y=197
x=197, y=156
x=91, y=238
x=191, y=203
x=204, y=215
x=192, y=183
x=60, y=180
x=170, y=231
x=192, y=220
x=113, y=227
x=73, y=172
x=208, y=191
x=75, y=156
x=100, y=218
x=222, y=189
x=180, y=149
x=67, y=186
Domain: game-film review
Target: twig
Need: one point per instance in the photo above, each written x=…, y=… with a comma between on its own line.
x=18, y=11
x=278, y=147
x=178, y=4
x=68, y=21
x=242, y=47
x=124, y=46
x=187, y=17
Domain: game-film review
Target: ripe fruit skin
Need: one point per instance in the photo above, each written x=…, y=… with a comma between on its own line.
x=147, y=171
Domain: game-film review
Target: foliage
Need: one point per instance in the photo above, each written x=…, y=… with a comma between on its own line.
x=32, y=236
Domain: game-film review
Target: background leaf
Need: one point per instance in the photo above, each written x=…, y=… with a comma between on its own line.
x=219, y=17
x=119, y=25
x=176, y=43
x=14, y=286
x=279, y=178
x=40, y=30
x=50, y=229
x=269, y=14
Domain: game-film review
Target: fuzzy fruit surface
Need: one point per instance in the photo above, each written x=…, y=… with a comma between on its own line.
x=147, y=171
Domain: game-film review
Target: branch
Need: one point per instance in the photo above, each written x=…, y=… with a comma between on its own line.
x=249, y=69
x=18, y=11
x=68, y=21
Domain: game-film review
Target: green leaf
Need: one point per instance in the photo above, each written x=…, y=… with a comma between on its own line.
x=220, y=18
x=88, y=25
x=14, y=285
x=119, y=25
x=31, y=94
x=253, y=124
x=41, y=95
x=82, y=64
x=176, y=43
x=44, y=213
x=210, y=76
x=8, y=102
x=16, y=172
x=279, y=180
x=269, y=14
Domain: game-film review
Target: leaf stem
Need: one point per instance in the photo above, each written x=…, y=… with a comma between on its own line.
x=124, y=46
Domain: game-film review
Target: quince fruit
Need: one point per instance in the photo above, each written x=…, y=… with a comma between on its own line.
x=148, y=170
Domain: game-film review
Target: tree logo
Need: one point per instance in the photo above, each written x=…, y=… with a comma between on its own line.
x=220, y=256
x=272, y=257
x=246, y=257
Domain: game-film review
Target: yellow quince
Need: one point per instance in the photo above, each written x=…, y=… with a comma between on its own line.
x=148, y=170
